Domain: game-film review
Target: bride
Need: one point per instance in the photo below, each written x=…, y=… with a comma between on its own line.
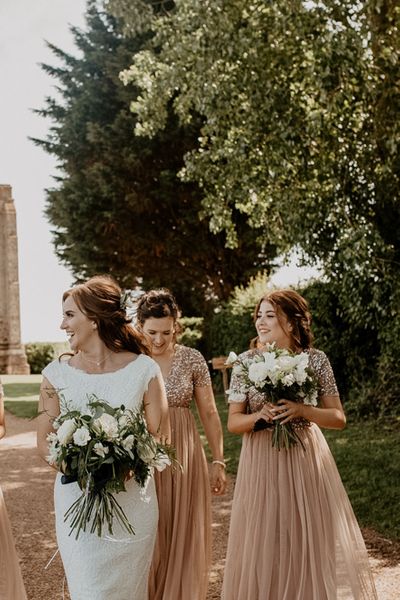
x=110, y=359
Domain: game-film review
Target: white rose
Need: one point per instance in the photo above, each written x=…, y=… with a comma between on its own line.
x=123, y=421
x=288, y=379
x=101, y=450
x=258, y=372
x=108, y=425
x=127, y=443
x=52, y=457
x=232, y=357
x=65, y=431
x=81, y=436
x=161, y=462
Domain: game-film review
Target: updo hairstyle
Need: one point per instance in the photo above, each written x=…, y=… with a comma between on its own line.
x=99, y=299
x=157, y=304
x=294, y=307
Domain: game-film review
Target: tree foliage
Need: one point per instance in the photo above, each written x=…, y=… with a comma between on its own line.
x=301, y=133
x=118, y=205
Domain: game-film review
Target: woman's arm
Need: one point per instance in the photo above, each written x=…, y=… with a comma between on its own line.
x=49, y=408
x=156, y=410
x=211, y=422
x=330, y=415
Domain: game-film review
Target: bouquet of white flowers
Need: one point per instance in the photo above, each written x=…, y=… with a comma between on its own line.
x=278, y=374
x=99, y=450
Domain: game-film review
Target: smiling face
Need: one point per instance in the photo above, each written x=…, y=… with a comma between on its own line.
x=161, y=333
x=271, y=329
x=80, y=330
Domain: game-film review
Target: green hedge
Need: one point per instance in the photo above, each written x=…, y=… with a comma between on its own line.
x=39, y=354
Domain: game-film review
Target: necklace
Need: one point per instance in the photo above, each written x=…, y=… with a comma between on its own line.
x=98, y=363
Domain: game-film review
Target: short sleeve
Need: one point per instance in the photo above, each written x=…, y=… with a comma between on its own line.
x=201, y=374
x=324, y=372
x=152, y=370
x=54, y=375
x=236, y=391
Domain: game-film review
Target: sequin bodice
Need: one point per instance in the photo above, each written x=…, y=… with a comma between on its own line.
x=319, y=363
x=188, y=370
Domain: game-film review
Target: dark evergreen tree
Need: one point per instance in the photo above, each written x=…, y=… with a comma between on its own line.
x=118, y=205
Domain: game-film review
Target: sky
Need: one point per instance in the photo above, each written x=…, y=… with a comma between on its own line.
x=25, y=25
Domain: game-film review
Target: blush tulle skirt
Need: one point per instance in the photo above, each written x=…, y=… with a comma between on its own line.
x=11, y=584
x=293, y=533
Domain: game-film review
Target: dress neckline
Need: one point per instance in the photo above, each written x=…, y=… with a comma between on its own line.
x=66, y=363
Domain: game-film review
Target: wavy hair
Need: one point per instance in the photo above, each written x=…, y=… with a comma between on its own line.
x=294, y=307
x=99, y=299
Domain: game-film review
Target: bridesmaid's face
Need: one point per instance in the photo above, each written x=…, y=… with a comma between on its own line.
x=270, y=329
x=80, y=330
x=161, y=333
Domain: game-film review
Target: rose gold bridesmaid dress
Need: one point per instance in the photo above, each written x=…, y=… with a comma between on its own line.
x=11, y=584
x=293, y=534
x=181, y=559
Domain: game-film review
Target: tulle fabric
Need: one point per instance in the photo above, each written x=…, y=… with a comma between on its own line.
x=293, y=533
x=181, y=559
x=11, y=584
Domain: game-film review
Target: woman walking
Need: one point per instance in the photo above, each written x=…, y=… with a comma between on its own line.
x=109, y=360
x=181, y=561
x=293, y=533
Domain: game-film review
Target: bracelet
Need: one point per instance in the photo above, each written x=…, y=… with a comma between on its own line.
x=219, y=462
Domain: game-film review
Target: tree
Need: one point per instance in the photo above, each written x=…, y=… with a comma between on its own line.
x=118, y=205
x=301, y=134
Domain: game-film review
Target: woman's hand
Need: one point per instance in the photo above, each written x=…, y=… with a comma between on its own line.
x=267, y=413
x=288, y=410
x=217, y=479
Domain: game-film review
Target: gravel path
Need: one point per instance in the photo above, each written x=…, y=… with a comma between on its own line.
x=27, y=485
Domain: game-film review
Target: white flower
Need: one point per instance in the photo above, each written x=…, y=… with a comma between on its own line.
x=147, y=452
x=258, y=372
x=127, y=443
x=108, y=425
x=269, y=360
x=232, y=357
x=288, y=379
x=123, y=421
x=65, y=431
x=161, y=462
x=312, y=398
x=101, y=450
x=81, y=436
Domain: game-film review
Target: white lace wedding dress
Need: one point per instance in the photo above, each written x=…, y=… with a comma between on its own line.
x=111, y=567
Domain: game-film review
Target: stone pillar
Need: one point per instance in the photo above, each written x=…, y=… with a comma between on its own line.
x=12, y=354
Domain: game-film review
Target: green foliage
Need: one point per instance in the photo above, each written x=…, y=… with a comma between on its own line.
x=39, y=354
x=301, y=134
x=191, y=332
x=118, y=205
x=232, y=326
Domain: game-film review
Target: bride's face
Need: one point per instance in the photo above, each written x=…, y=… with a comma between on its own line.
x=271, y=329
x=80, y=330
x=161, y=333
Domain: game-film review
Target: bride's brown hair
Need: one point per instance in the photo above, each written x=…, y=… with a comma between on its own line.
x=295, y=308
x=99, y=299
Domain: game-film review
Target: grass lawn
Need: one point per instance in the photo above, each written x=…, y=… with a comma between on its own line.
x=21, y=394
x=368, y=458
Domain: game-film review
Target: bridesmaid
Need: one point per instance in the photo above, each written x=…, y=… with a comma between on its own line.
x=181, y=559
x=11, y=584
x=293, y=533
